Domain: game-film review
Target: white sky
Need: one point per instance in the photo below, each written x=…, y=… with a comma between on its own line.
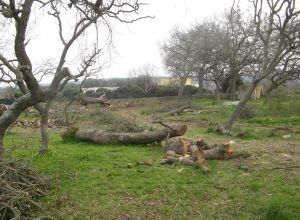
x=135, y=44
x=138, y=43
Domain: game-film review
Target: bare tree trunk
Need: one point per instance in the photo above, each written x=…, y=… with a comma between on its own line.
x=200, y=83
x=233, y=86
x=44, y=113
x=13, y=112
x=66, y=111
x=181, y=86
x=1, y=145
x=217, y=92
x=237, y=111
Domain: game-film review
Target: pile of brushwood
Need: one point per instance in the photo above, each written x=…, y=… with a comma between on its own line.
x=20, y=188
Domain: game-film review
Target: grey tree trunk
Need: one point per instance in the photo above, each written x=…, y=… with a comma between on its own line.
x=1, y=146
x=233, y=86
x=12, y=114
x=44, y=113
x=66, y=111
x=200, y=83
x=218, y=98
x=181, y=86
x=237, y=111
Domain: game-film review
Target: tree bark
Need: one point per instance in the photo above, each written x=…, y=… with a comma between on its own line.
x=237, y=111
x=177, y=145
x=44, y=113
x=1, y=146
x=200, y=83
x=179, y=110
x=181, y=86
x=233, y=86
x=84, y=100
x=218, y=98
x=148, y=137
x=66, y=111
x=13, y=112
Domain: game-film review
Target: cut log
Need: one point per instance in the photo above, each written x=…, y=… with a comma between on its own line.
x=84, y=100
x=178, y=145
x=205, y=112
x=201, y=144
x=237, y=155
x=147, y=137
x=223, y=131
x=172, y=157
x=218, y=152
x=179, y=110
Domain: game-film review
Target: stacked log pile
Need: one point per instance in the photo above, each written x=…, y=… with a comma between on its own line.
x=196, y=153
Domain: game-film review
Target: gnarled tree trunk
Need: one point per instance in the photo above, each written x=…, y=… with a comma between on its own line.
x=237, y=111
x=13, y=112
x=44, y=113
x=147, y=137
x=181, y=86
x=233, y=86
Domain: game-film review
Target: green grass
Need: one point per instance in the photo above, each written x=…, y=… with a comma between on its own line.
x=104, y=182
x=291, y=120
x=91, y=181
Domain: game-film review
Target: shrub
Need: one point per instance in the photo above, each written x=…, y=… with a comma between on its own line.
x=69, y=133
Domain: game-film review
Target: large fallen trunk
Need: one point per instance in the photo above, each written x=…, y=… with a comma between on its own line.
x=180, y=110
x=223, y=131
x=84, y=100
x=147, y=137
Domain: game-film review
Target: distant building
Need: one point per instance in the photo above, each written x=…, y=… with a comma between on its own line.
x=168, y=81
x=258, y=93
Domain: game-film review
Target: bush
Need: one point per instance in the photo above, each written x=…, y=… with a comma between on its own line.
x=69, y=133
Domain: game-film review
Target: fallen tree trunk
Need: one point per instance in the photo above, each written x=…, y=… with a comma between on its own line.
x=218, y=152
x=223, y=131
x=179, y=110
x=205, y=112
x=84, y=100
x=147, y=137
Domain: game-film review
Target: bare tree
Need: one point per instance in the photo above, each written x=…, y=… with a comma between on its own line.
x=15, y=62
x=143, y=77
x=177, y=56
x=276, y=25
x=240, y=45
x=209, y=54
x=202, y=34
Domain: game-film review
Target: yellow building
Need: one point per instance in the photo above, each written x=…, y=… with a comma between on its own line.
x=173, y=81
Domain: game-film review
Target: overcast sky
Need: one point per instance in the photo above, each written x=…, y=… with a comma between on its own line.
x=134, y=44
x=137, y=44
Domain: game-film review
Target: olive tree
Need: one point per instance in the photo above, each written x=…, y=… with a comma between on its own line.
x=18, y=17
x=177, y=56
x=276, y=24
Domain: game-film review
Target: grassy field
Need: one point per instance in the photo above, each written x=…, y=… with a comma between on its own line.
x=105, y=182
